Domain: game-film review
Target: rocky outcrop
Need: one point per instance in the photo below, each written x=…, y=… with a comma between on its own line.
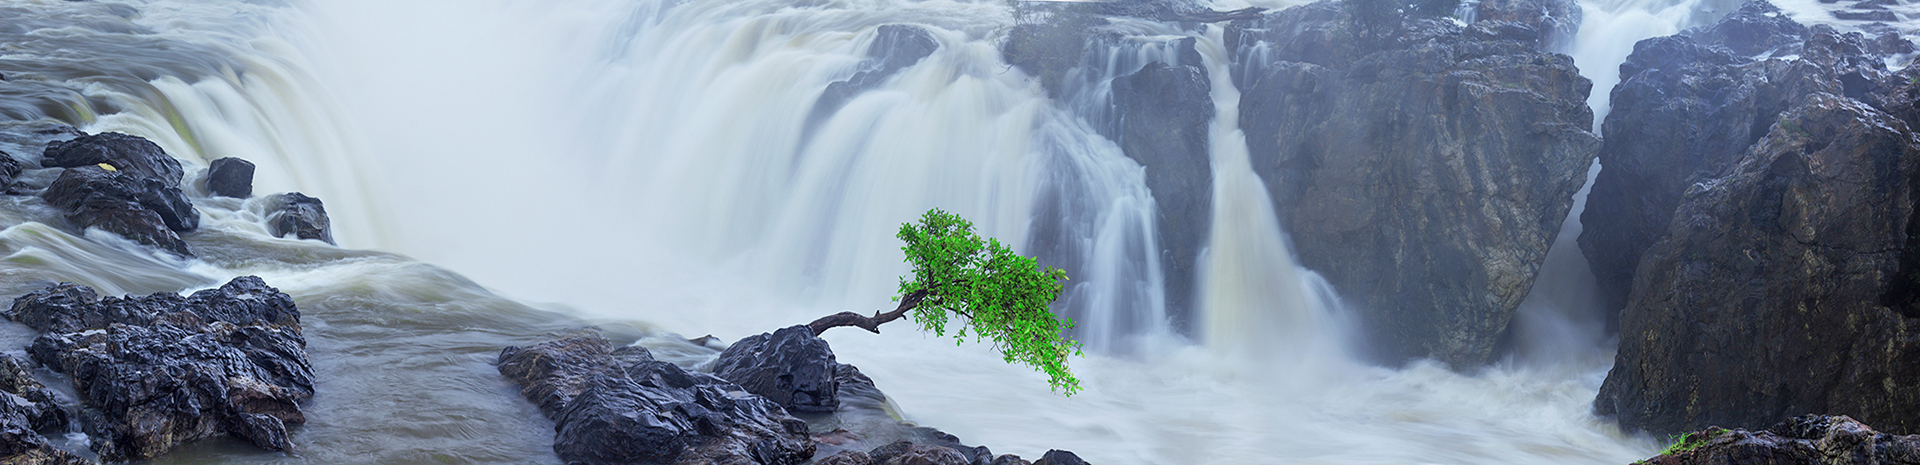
x=1686, y=110
x=1808, y=440
x=162, y=370
x=230, y=177
x=27, y=411
x=790, y=367
x=1165, y=112
x=299, y=215
x=1555, y=22
x=617, y=406
x=132, y=154
x=146, y=210
x=1424, y=176
x=1767, y=296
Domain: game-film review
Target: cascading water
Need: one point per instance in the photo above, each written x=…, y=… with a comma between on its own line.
x=650, y=164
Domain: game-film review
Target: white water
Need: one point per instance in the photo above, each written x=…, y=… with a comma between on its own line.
x=642, y=161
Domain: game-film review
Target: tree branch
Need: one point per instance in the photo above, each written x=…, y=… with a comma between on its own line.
x=872, y=323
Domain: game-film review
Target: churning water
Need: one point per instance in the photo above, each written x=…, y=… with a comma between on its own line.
x=647, y=165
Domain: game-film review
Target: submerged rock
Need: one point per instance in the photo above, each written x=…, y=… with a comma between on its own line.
x=302, y=216
x=1808, y=440
x=618, y=406
x=1424, y=176
x=895, y=47
x=1768, y=295
x=230, y=177
x=161, y=370
x=142, y=209
x=134, y=155
x=790, y=367
x=1059, y=457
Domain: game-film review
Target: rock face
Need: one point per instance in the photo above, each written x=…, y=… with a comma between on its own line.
x=1164, y=115
x=1425, y=177
x=790, y=367
x=144, y=209
x=1765, y=299
x=132, y=154
x=302, y=216
x=161, y=370
x=1754, y=221
x=27, y=411
x=1555, y=21
x=230, y=177
x=1810, y=440
x=620, y=406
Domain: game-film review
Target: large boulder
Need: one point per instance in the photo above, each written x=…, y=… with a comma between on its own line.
x=132, y=154
x=1165, y=113
x=1782, y=287
x=1686, y=110
x=894, y=48
x=298, y=215
x=229, y=361
x=143, y=209
x=230, y=177
x=1805, y=440
x=1424, y=176
x=790, y=367
x=620, y=406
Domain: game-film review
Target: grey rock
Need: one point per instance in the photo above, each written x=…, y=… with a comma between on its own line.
x=230, y=177
x=132, y=154
x=303, y=217
x=143, y=209
x=1164, y=117
x=1809, y=439
x=790, y=367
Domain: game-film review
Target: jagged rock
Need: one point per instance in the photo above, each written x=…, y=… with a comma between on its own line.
x=846, y=457
x=226, y=361
x=1059, y=457
x=790, y=367
x=28, y=398
x=1047, y=48
x=1809, y=440
x=230, y=177
x=905, y=453
x=143, y=209
x=131, y=154
x=620, y=406
x=1755, y=29
x=1165, y=113
x=1424, y=176
x=1686, y=110
x=1555, y=21
x=1009, y=460
x=302, y=216
x=9, y=167
x=894, y=47
x=1784, y=286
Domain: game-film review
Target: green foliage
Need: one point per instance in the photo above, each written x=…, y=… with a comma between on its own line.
x=1691, y=441
x=1002, y=296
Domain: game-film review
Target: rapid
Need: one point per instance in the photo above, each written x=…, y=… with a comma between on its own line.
x=498, y=170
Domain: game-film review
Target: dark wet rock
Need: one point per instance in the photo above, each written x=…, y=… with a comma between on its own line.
x=132, y=154
x=1425, y=176
x=141, y=209
x=620, y=406
x=905, y=453
x=29, y=399
x=1165, y=112
x=299, y=215
x=9, y=168
x=1059, y=457
x=227, y=361
x=1756, y=28
x=1009, y=460
x=1809, y=440
x=230, y=177
x=1784, y=286
x=1686, y=110
x=895, y=47
x=1052, y=43
x=790, y=367
x=846, y=457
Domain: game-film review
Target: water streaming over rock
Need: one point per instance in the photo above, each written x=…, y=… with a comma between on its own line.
x=651, y=166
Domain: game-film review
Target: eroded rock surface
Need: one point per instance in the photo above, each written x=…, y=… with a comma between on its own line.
x=143, y=209
x=161, y=370
x=301, y=216
x=133, y=154
x=790, y=367
x=619, y=406
x=1805, y=440
x=230, y=177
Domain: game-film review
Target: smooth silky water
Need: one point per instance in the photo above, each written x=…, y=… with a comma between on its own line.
x=646, y=166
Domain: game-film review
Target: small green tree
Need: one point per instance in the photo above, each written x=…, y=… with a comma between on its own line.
x=999, y=296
